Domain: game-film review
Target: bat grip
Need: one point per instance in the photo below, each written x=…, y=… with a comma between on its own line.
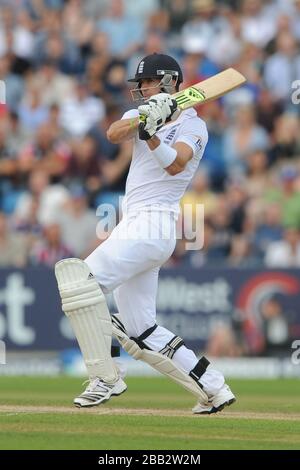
x=142, y=123
x=143, y=135
x=141, y=126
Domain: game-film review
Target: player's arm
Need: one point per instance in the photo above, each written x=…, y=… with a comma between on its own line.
x=180, y=152
x=152, y=117
x=122, y=130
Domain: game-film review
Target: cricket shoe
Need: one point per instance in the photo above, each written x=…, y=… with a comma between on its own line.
x=224, y=397
x=98, y=392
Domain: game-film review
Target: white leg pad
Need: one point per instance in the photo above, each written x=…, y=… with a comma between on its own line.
x=84, y=304
x=158, y=361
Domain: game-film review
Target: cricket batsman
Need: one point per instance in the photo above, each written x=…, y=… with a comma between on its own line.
x=167, y=148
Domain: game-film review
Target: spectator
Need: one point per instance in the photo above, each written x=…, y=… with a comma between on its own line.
x=282, y=68
x=23, y=36
x=284, y=253
x=213, y=159
x=53, y=123
x=270, y=229
x=7, y=156
x=241, y=253
x=16, y=136
x=210, y=254
x=200, y=193
x=78, y=224
x=32, y=113
x=45, y=153
x=95, y=69
x=287, y=195
x=77, y=27
x=100, y=46
x=115, y=88
x=268, y=110
x=221, y=220
x=275, y=327
x=286, y=141
x=84, y=166
x=53, y=44
x=243, y=137
x=13, y=250
x=125, y=33
x=8, y=171
x=154, y=42
x=296, y=20
x=179, y=14
x=258, y=179
x=237, y=198
x=55, y=86
x=226, y=47
x=197, y=47
x=14, y=84
x=80, y=113
x=50, y=199
x=94, y=9
x=29, y=224
x=115, y=160
x=205, y=24
x=50, y=250
x=258, y=26
x=140, y=10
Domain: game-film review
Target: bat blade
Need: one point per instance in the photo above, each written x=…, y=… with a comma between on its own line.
x=209, y=89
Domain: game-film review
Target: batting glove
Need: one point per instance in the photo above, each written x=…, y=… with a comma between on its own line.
x=148, y=126
x=166, y=101
x=159, y=109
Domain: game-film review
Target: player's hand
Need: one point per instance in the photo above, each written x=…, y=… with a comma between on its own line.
x=168, y=104
x=150, y=121
x=147, y=127
x=159, y=109
x=164, y=105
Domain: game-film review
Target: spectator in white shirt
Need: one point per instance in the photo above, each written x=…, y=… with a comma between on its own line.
x=285, y=253
x=258, y=27
x=283, y=67
x=80, y=113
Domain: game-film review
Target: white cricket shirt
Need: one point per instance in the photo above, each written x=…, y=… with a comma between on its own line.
x=150, y=185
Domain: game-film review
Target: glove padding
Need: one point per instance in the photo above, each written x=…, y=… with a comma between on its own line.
x=155, y=113
x=147, y=127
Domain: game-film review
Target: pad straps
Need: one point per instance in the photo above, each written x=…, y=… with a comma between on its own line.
x=199, y=369
x=140, y=339
x=172, y=346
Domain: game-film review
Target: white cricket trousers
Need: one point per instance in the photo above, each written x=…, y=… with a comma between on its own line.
x=128, y=264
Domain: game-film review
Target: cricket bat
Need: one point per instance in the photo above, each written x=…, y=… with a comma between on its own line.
x=209, y=89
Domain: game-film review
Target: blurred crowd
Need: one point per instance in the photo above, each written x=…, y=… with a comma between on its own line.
x=65, y=66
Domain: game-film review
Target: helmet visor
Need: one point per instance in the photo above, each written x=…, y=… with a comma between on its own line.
x=137, y=93
x=167, y=84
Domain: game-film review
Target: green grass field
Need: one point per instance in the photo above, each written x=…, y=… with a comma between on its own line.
x=37, y=413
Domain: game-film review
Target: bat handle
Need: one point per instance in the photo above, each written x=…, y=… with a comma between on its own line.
x=142, y=123
x=143, y=135
x=141, y=126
